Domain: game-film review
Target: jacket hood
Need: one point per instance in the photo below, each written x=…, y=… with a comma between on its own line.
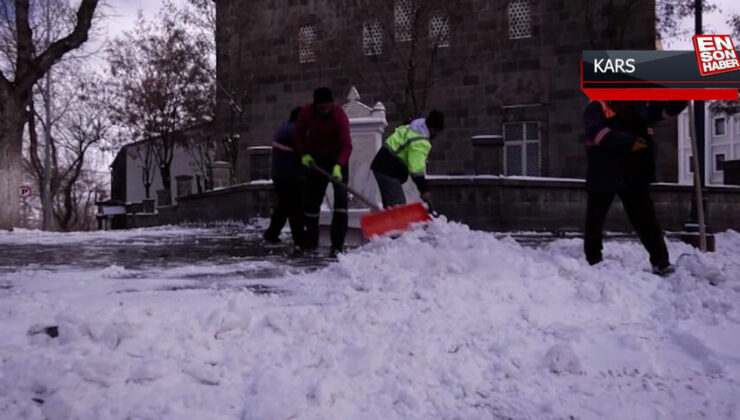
x=420, y=126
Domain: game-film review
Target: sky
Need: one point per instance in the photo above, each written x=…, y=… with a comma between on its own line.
x=123, y=13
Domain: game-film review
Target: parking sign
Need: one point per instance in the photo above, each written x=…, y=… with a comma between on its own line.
x=26, y=191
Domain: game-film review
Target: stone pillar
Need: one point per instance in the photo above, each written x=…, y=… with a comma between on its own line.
x=184, y=185
x=731, y=169
x=164, y=198
x=259, y=162
x=366, y=128
x=488, y=151
x=134, y=208
x=221, y=174
x=148, y=204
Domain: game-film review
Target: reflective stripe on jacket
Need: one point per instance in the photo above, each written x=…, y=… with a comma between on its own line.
x=611, y=130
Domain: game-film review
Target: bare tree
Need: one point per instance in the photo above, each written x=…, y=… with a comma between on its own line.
x=80, y=124
x=161, y=77
x=418, y=34
x=87, y=126
x=16, y=85
x=201, y=16
x=202, y=150
x=143, y=155
x=669, y=13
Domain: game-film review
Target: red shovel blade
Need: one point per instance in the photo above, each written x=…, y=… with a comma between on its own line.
x=395, y=219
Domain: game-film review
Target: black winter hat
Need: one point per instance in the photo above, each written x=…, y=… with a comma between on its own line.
x=322, y=95
x=436, y=120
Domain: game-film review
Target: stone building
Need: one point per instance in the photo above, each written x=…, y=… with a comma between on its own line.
x=506, y=73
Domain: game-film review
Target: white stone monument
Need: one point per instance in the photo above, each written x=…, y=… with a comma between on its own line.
x=367, y=126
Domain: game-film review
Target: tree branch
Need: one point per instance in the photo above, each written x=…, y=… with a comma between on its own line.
x=30, y=70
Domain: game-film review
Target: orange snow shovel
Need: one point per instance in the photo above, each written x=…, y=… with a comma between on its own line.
x=382, y=222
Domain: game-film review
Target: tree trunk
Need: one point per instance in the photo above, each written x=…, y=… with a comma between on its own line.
x=38, y=167
x=11, y=160
x=164, y=172
x=198, y=183
x=67, y=212
x=147, y=190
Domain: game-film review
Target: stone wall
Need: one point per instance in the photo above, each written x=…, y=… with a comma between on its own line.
x=485, y=203
x=481, y=81
x=511, y=204
x=238, y=203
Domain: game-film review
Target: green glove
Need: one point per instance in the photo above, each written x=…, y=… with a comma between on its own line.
x=307, y=160
x=337, y=172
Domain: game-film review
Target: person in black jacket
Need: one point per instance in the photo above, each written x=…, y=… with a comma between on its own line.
x=287, y=174
x=621, y=161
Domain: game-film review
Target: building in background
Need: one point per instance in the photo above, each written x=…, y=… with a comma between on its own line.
x=722, y=134
x=192, y=159
x=507, y=72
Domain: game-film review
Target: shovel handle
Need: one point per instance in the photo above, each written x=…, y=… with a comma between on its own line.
x=335, y=181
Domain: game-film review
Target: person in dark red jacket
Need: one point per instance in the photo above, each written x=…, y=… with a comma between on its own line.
x=621, y=161
x=322, y=139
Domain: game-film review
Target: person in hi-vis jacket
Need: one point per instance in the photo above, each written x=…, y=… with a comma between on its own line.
x=404, y=154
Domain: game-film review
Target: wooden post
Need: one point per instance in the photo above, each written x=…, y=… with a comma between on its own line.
x=697, y=180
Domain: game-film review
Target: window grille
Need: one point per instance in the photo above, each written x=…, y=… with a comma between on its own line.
x=372, y=37
x=520, y=19
x=439, y=30
x=403, y=13
x=307, y=44
x=522, y=148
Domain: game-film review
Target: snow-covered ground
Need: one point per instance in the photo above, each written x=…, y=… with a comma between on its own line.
x=442, y=323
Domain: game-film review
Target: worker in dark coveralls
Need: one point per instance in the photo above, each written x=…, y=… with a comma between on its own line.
x=323, y=139
x=621, y=161
x=287, y=178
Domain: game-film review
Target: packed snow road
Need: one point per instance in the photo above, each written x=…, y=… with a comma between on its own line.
x=441, y=323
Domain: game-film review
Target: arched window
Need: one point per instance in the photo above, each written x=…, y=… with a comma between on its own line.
x=372, y=37
x=520, y=19
x=403, y=18
x=307, y=37
x=439, y=30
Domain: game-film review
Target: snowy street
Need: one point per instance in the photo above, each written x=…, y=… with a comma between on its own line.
x=442, y=323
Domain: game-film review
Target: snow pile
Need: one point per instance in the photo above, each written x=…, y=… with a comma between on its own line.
x=37, y=237
x=443, y=322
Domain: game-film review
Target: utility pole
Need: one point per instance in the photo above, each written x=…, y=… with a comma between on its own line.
x=47, y=202
x=699, y=108
x=699, y=215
